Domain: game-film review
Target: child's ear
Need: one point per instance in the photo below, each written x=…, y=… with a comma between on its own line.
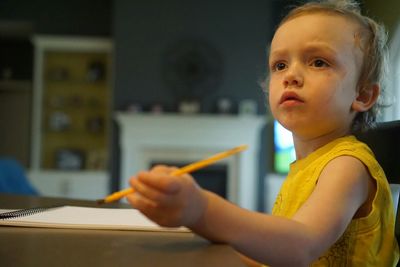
x=366, y=98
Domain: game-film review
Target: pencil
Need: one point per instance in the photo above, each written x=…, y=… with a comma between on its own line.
x=186, y=169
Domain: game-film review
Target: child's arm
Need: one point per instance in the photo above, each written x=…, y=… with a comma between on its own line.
x=174, y=201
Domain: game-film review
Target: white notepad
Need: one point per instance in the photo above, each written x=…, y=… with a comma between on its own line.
x=69, y=217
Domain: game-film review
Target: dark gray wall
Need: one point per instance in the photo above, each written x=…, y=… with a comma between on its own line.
x=144, y=30
x=73, y=17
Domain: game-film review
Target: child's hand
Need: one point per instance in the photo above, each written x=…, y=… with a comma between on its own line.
x=167, y=200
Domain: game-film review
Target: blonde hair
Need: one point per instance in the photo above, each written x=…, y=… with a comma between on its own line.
x=371, y=38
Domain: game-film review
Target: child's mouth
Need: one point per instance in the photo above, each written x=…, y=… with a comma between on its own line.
x=290, y=98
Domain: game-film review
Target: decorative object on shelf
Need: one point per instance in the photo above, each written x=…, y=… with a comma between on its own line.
x=248, y=107
x=56, y=101
x=192, y=69
x=189, y=107
x=58, y=74
x=76, y=101
x=96, y=72
x=69, y=159
x=134, y=108
x=59, y=121
x=95, y=124
x=224, y=106
x=96, y=159
x=157, y=108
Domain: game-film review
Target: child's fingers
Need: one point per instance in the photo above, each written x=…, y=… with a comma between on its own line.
x=147, y=207
x=149, y=192
x=162, y=182
x=141, y=203
x=150, y=209
x=162, y=169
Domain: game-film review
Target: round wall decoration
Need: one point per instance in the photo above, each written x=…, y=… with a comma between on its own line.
x=192, y=69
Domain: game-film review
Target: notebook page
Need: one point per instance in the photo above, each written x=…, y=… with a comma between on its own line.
x=89, y=218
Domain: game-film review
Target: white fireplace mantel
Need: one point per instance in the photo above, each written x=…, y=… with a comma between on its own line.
x=145, y=138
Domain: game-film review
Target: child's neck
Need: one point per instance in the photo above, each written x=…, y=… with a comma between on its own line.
x=305, y=146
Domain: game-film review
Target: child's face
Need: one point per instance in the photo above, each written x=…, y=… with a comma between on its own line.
x=314, y=68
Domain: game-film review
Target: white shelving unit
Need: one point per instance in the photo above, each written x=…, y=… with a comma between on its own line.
x=72, y=77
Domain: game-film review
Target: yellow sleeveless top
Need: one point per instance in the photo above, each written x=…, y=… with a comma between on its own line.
x=367, y=241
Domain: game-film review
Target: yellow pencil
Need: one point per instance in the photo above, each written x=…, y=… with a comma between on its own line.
x=186, y=169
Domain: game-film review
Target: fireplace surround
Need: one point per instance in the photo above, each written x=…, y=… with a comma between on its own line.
x=148, y=138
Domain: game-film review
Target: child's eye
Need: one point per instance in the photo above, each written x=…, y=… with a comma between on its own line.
x=319, y=63
x=278, y=66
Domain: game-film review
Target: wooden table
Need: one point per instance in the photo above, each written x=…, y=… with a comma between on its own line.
x=24, y=246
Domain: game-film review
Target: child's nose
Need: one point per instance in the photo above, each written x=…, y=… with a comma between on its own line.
x=293, y=77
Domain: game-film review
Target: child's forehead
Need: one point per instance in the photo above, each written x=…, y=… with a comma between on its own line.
x=316, y=27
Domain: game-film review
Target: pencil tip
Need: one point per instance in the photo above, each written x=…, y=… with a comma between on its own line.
x=100, y=201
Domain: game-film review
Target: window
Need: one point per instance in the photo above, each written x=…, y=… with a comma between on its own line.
x=284, y=153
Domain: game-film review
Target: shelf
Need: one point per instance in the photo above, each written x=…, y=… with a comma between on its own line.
x=72, y=78
x=71, y=133
x=81, y=85
x=72, y=92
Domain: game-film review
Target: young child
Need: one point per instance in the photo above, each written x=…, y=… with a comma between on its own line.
x=335, y=207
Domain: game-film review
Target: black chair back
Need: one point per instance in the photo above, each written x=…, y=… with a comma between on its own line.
x=384, y=140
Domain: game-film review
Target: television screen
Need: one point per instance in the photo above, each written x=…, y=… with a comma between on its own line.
x=284, y=153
